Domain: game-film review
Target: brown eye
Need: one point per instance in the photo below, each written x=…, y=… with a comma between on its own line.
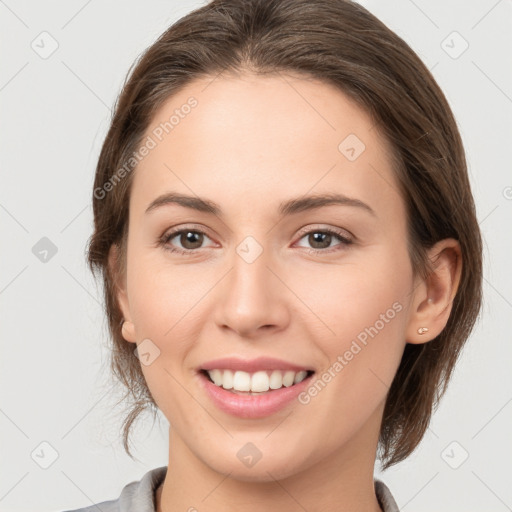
x=191, y=239
x=184, y=241
x=320, y=240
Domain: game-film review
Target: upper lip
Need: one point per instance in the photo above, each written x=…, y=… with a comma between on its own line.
x=251, y=365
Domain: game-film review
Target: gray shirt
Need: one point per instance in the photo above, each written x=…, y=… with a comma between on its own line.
x=139, y=496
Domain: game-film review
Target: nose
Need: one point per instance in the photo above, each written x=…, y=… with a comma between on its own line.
x=252, y=299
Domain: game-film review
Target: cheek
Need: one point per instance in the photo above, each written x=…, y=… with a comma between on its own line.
x=351, y=298
x=335, y=303
x=366, y=307
x=163, y=295
x=165, y=304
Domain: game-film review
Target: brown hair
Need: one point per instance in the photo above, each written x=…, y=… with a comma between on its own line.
x=341, y=43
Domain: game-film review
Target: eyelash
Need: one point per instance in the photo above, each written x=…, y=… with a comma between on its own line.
x=167, y=237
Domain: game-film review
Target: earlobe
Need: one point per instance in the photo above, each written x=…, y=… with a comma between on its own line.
x=116, y=273
x=433, y=299
x=128, y=331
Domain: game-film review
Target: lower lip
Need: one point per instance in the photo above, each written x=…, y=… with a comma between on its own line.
x=252, y=406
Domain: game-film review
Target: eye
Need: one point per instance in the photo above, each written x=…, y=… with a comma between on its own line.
x=323, y=239
x=190, y=240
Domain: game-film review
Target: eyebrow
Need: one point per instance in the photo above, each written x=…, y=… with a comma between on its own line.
x=289, y=207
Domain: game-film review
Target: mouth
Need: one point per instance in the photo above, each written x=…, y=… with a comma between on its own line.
x=255, y=383
x=253, y=389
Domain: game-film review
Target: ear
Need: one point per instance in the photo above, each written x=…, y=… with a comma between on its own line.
x=433, y=296
x=119, y=277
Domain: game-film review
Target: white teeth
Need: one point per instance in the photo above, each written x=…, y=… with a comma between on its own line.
x=227, y=379
x=242, y=381
x=276, y=380
x=258, y=382
x=216, y=376
x=288, y=379
x=299, y=376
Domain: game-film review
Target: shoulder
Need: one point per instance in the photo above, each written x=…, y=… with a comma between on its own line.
x=385, y=498
x=137, y=496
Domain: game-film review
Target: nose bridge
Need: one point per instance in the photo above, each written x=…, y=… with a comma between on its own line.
x=251, y=296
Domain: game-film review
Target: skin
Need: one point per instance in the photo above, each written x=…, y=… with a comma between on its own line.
x=251, y=143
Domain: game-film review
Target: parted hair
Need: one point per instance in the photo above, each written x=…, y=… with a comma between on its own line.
x=343, y=44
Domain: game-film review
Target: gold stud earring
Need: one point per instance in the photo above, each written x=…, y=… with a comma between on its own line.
x=422, y=330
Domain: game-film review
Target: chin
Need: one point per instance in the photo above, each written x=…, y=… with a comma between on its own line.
x=249, y=464
x=261, y=472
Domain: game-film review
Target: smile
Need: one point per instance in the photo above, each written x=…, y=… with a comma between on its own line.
x=253, y=389
x=259, y=382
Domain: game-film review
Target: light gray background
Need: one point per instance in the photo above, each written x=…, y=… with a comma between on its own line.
x=54, y=376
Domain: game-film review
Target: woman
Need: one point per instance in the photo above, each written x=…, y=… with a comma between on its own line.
x=290, y=255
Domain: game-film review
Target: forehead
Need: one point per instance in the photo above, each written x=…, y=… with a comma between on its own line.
x=264, y=136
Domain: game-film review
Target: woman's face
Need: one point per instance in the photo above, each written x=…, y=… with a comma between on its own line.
x=264, y=276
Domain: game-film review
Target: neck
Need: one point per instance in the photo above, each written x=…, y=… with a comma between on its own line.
x=342, y=482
